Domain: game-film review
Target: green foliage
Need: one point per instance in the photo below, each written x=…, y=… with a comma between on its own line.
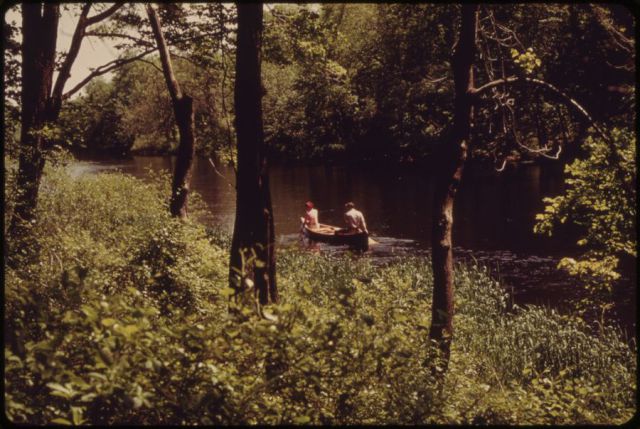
x=11, y=55
x=309, y=104
x=362, y=81
x=513, y=365
x=133, y=112
x=596, y=201
x=95, y=121
x=10, y=175
x=127, y=318
x=397, y=55
x=527, y=60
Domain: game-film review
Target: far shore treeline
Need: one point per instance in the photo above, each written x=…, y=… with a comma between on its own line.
x=352, y=82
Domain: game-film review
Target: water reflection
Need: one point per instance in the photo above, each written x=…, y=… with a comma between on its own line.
x=492, y=211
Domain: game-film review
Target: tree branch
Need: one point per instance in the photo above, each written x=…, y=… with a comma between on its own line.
x=477, y=92
x=436, y=80
x=76, y=42
x=151, y=64
x=165, y=56
x=615, y=157
x=215, y=169
x=112, y=65
x=65, y=69
x=106, y=68
x=624, y=42
x=103, y=15
x=119, y=35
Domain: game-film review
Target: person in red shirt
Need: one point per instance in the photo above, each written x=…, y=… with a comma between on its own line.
x=310, y=219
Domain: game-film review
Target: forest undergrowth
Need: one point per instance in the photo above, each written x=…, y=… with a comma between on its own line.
x=125, y=316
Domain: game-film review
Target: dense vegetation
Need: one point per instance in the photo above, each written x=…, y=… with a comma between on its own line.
x=119, y=312
x=362, y=81
x=137, y=327
x=602, y=208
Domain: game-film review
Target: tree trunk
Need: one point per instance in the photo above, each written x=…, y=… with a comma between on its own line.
x=39, y=32
x=41, y=103
x=451, y=157
x=183, y=112
x=253, y=230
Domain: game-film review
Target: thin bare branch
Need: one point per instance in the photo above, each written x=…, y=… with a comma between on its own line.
x=512, y=34
x=72, y=54
x=437, y=80
x=103, y=15
x=623, y=42
x=151, y=63
x=118, y=36
x=477, y=92
x=215, y=169
x=104, y=69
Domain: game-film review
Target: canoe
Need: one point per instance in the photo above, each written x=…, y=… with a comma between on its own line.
x=336, y=235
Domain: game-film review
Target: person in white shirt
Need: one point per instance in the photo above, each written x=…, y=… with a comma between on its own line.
x=355, y=219
x=310, y=219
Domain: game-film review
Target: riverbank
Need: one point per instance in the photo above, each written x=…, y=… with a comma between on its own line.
x=137, y=328
x=494, y=219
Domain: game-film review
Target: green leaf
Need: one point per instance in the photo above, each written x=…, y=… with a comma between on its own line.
x=128, y=330
x=269, y=315
x=108, y=322
x=300, y=420
x=59, y=388
x=77, y=415
x=98, y=376
x=227, y=291
x=89, y=312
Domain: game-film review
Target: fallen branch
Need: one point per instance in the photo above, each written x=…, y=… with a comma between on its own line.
x=220, y=174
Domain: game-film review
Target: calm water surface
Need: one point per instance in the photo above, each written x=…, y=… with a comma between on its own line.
x=494, y=220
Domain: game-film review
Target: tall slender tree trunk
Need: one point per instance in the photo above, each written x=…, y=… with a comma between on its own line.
x=183, y=112
x=39, y=33
x=253, y=232
x=449, y=166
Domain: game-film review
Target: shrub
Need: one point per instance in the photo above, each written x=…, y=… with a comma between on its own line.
x=127, y=318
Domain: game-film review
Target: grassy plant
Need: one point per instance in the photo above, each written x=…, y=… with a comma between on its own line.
x=126, y=318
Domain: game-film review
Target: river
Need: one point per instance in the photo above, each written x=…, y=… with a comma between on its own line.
x=494, y=217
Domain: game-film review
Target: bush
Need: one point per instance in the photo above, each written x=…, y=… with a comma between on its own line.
x=127, y=318
x=603, y=208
